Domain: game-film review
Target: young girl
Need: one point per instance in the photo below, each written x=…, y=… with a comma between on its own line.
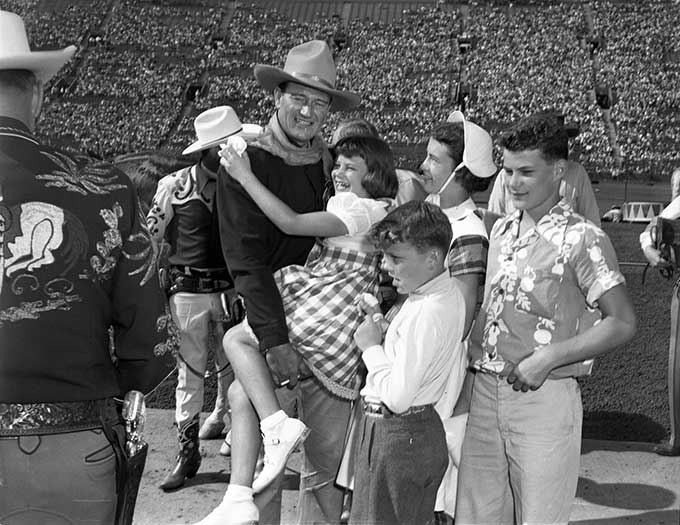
x=320, y=298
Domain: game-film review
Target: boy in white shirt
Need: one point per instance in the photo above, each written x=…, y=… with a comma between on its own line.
x=402, y=455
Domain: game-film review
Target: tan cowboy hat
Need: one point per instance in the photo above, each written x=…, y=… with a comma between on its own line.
x=478, y=149
x=216, y=125
x=15, y=52
x=309, y=64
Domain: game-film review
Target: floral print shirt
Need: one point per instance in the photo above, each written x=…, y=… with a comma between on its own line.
x=542, y=287
x=82, y=314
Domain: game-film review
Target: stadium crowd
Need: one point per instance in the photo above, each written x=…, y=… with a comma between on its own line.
x=643, y=66
x=141, y=57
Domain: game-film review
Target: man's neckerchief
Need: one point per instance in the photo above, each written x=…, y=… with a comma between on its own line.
x=275, y=141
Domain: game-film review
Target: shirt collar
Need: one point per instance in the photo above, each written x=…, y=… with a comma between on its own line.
x=435, y=285
x=461, y=210
x=203, y=178
x=13, y=128
x=561, y=209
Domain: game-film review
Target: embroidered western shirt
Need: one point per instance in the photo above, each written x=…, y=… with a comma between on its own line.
x=542, y=287
x=75, y=259
x=182, y=214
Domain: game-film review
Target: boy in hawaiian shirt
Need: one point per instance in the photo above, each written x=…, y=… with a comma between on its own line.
x=547, y=266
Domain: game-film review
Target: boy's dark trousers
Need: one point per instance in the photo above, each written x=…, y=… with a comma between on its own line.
x=401, y=460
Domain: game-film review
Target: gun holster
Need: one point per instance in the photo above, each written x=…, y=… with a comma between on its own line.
x=129, y=470
x=233, y=307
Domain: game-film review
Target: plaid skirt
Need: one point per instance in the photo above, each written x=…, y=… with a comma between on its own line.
x=319, y=300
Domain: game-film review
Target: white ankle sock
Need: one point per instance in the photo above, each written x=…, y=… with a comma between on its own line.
x=238, y=492
x=271, y=422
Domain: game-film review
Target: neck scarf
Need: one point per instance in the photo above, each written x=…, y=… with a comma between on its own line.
x=275, y=141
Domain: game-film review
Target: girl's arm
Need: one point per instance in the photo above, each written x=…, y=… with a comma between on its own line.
x=314, y=224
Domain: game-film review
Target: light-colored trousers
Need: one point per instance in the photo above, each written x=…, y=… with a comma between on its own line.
x=319, y=498
x=199, y=317
x=521, y=453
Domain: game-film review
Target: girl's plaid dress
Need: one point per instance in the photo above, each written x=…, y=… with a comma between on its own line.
x=319, y=298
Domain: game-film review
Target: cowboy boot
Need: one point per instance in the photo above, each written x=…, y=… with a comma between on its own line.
x=188, y=458
x=214, y=425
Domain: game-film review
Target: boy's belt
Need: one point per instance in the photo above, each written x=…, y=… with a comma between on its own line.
x=19, y=419
x=380, y=409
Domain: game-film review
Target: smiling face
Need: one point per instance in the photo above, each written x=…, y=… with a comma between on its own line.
x=348, y=173
x=437, y=166
x=532, y=181
x=408, y=267
x=301, y=110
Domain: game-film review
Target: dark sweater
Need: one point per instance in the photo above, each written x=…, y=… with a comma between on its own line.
x=255, y=248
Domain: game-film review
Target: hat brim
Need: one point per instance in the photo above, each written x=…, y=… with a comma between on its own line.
x=247, y=132
x=45, y=64
x=270, y=77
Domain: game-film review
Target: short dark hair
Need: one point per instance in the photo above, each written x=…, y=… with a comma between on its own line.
x=145, y=175
x=418, y=223
x=381, y=180
x=542, y=131
x=17, y=79
x=452, y=135
x=357, y=127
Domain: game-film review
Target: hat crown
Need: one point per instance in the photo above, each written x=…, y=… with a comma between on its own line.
x=13, y=37
x=311, y=61
x=216, y=123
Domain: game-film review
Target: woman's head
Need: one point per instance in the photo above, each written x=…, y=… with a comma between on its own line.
x=444, y=155
x=365, y=166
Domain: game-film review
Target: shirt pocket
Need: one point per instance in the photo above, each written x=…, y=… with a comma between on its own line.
x=538, y=291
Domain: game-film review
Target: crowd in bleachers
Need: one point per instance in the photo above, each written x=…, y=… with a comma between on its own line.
x=640, y=65
x=125, y=90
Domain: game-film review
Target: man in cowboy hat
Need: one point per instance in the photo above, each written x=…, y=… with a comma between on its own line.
x=291, y=159
x=76, y=260
x=181, y=216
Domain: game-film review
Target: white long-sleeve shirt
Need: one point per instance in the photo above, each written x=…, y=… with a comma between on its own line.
x=422, y=348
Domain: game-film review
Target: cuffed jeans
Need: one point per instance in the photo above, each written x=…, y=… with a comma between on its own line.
x=521, y=453
x=57, y=479
x=399, y=466
x=199, y=317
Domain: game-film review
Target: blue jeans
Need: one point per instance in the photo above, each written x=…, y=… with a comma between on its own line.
x=57, y=479
x=399, y=466
x=521, y=453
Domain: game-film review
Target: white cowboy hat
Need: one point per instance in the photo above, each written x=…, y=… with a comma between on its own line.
x=216, y=125
x=310, y=64
x=478, y=149
x=15, y=52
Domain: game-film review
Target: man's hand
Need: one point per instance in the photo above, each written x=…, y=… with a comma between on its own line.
x=284, y=364
x=531, y=372
x=368, y=334
x=654, y=257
